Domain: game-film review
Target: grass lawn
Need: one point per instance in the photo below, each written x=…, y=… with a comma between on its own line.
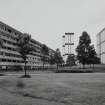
x=53, y=89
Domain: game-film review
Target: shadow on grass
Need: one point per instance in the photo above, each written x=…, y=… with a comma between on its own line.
x=20, y=84
x=1, y=74
x=26, y=76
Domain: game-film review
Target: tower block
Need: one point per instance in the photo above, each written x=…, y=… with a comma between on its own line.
x=68, y=44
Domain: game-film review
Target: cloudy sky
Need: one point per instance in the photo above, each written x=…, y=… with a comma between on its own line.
x=48, y=20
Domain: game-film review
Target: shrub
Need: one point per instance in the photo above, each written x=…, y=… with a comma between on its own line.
x=73, y=71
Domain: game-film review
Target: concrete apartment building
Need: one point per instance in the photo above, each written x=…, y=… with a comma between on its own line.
x=101, y=45
x=9, y=56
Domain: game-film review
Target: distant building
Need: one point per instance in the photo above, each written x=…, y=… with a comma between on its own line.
x=68, y=45
x=9, y=56
x=101, y=45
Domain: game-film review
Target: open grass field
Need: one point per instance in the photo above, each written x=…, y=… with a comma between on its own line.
x=53, y=89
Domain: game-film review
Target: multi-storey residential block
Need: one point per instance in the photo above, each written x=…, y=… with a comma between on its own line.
x=9, y=56
x=101, y=45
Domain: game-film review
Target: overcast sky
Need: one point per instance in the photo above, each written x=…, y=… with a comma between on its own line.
x=48, y=20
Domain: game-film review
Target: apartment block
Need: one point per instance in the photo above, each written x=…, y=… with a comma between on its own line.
x=9, y=56
x=101, y=45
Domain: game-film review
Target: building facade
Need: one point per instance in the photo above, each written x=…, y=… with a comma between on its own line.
x=68, y=45
x=101, y=45
x=9, y=56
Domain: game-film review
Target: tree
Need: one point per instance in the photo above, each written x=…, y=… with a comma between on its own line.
x=70, y=60
x=51, y=60
x=97, y=60
x=86, y=53
x=45, y=53
x=25, y=48
x=58, y=58
x=83, y=48
x=92, y=57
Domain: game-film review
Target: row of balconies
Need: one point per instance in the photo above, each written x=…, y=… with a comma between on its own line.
x=35, y=45
x=16, y=62
x=12, y=45
x=11, y=41
x=5, y=53
x=18, y=57
x=8, y=38
x=9, y=54
x=9, y=35
x=13, y=51
x=15, y=57
x=34, y=58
